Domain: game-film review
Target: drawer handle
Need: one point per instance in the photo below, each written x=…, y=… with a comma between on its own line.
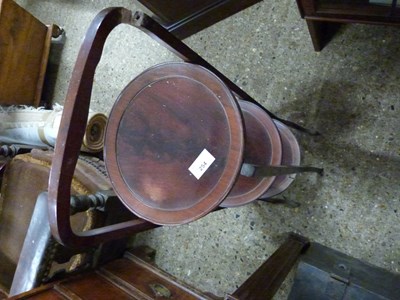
x=160, y=291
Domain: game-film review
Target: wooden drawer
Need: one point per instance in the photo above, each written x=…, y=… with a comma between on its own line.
x=125, y=278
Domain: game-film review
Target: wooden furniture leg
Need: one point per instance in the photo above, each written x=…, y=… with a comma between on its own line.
x=264, y=282
x=321, y=32
x=323, y=17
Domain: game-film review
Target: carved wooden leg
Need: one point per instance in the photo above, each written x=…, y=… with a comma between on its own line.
x=264, y=282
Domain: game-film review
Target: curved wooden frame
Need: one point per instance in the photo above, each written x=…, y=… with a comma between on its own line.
x=70, y=137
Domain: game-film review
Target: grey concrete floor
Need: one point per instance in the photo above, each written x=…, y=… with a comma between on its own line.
x=349, y=92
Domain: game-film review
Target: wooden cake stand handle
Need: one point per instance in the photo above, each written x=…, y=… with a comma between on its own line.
x=71, y=134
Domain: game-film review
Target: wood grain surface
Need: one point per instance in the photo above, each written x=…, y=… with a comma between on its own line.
x=24, y=50
x=158, y=127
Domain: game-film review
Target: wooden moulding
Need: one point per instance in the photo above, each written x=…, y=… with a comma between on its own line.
x=24, y=52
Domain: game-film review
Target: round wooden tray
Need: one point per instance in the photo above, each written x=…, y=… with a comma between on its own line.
x=162, y=123
x=290, y=157
x=262, y=147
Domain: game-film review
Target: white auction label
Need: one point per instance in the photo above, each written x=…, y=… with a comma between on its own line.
x=201, y=164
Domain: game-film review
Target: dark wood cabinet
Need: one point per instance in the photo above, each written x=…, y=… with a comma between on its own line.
x=324, y=16
x=186, y=17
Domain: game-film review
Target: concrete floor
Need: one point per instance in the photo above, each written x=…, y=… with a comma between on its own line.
x=349, y=92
